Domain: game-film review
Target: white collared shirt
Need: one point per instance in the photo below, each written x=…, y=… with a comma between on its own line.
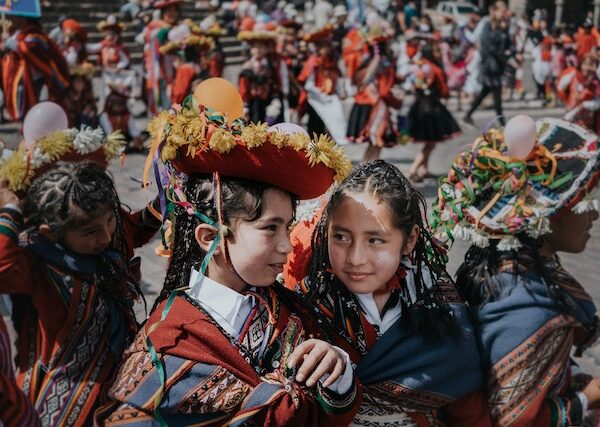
x=230, y=310
x=392, y=314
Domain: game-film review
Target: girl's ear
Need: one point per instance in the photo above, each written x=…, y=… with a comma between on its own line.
x=410, y=243
x=47, y=232
x=205, y=234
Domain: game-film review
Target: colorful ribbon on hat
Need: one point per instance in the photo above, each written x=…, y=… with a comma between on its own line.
x=173, y=196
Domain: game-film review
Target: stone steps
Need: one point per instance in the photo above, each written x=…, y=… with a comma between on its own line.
x=89, y=14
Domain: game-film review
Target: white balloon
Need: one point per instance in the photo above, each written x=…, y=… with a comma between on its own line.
x=179, y=33
x=288, y=128
x=520, y=136
x=43, y=119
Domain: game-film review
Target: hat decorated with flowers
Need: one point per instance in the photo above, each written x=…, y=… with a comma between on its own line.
x=68, y=145
x=199, y=140
x=261, y=31
x=514, y=181
x=183, y=36
x=164, y=4
x=321, y=34
x=110, y=24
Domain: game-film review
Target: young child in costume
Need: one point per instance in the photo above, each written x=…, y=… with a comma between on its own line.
x=518, y=209
x=112, y=55
x=70, y=278
x=74, y=42
x=117, y=116
x=158, y=68
x=370, y=118
x=224, y=340
x=379, y=278
x=579, y=89
x=187, y=48
x=78, y=101
x=429, y=121
x=263, y=81
x=319, y=77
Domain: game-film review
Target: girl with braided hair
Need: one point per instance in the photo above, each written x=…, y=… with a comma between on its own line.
x=72, y=284
x=378, y=277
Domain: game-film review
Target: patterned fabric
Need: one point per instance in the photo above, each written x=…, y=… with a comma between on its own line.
x=401, y=372
x=71, y=332
x=66, y=386
x=36, y=61
x=530, y=366
x=211, y=378
x=15, y=409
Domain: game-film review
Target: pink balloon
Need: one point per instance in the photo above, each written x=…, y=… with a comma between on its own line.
x=520, y=136
x=288, y=129
x=43, y=119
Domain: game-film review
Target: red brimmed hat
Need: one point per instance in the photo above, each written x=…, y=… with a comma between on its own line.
x=260, y=31
x=163, y=4
x=321, y=34
x=198, y=141
x=110, y=24
x=75, y=27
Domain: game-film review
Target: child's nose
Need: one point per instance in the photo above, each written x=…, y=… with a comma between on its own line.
x=106, y=236
x=356, y=255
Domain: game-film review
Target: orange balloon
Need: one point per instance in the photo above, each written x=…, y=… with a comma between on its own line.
x=247, y=24
x=220, y=95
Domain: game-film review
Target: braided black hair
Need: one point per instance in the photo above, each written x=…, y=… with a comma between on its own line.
x=69, y=195
x=477, y=280
x=408, y=208
x=240, y=199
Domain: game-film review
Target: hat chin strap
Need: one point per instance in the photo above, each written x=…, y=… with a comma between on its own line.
x=223, y=230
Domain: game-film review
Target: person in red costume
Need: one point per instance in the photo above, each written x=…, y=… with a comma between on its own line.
x=263, y=81
x=74, y=43
x=31, y=62
x=586, y=39
x=319, y=76
x=579, y=89
x=370, y=119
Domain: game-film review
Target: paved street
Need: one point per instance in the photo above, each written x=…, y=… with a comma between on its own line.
x=585, y=266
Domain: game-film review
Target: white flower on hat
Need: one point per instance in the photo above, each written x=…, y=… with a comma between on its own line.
x=71, y=133
x=461, y=232
x=88, y=140
x=38, y=158
x=588, y=204
x=540, y=226
x=509, y=243
x=479, y=239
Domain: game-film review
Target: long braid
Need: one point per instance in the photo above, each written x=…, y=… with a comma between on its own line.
x=386, y=183
x=477, y=275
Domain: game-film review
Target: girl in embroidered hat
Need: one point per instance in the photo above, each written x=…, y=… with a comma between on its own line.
x=72, y=285
x=225, y=343
x=379, y=278
x=530, y=312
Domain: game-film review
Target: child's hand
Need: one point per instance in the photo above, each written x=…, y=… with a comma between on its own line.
x=592, y=392
x=7, y=196
x=315, y=358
